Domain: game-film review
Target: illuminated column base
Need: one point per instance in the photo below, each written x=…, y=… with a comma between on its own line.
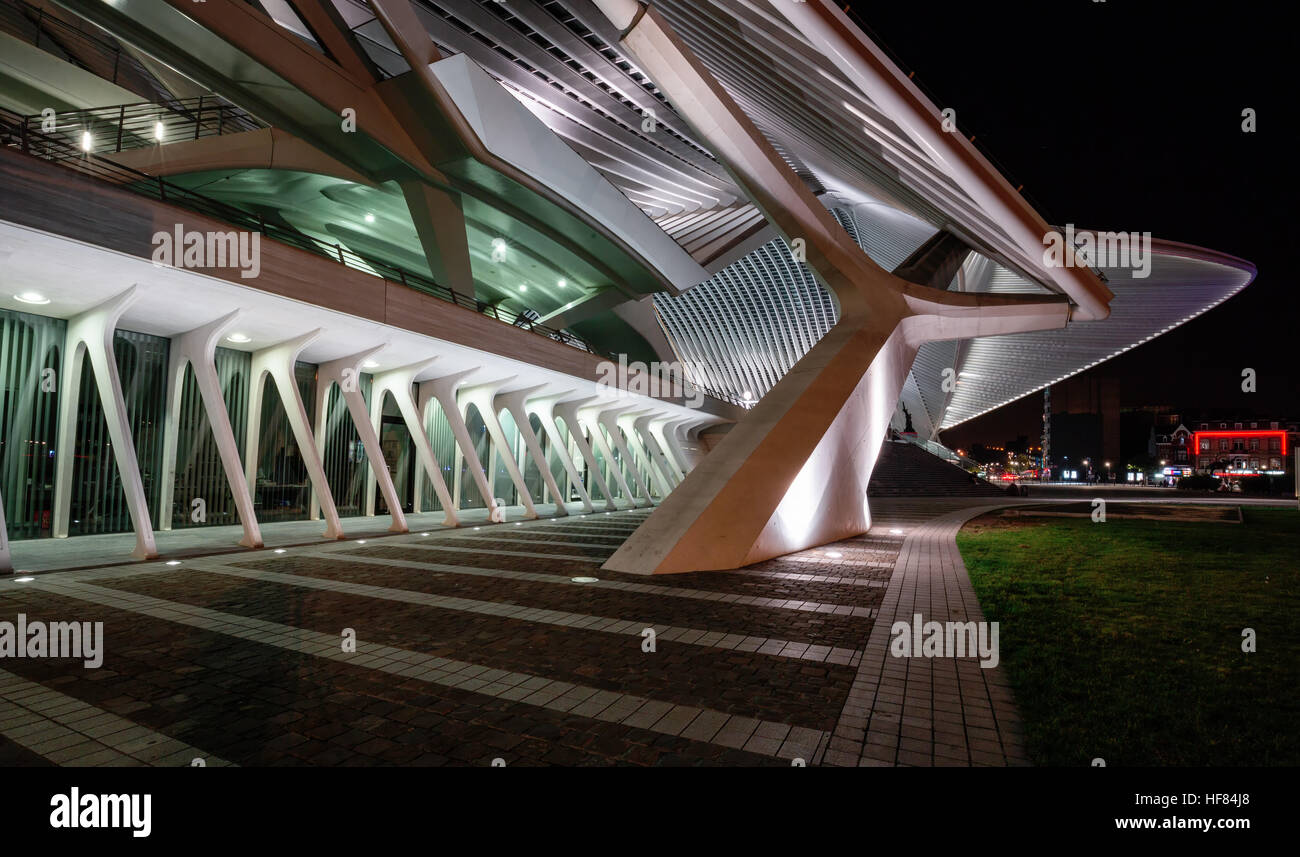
x=793, y=473
x=544, y=409
x=277, y=363
x=610, y=418
x=198, y=349
x=444, y=390
x=589, y=419
x=90, y=335
x=346, y=373
x=515, y=403
x=483, y=396
x=568, y=411
x=398, y=383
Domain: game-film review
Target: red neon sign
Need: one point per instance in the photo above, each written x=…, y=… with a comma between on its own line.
x=1197, y=435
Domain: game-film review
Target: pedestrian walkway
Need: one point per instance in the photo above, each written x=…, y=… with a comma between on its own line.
x=927, y=710
x=509, y=642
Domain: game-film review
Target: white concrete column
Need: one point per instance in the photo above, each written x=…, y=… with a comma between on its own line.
x=346, y=372
x=659, y=430
x=277, y=362
x=444, y=390
x=568, y=411
x=672, y=435
x=622, y=419
x=793, y=473
x=198, y=348
x=482, y=396
x=6, y=562
x=544, y=408
x=399, y=383
x=514, y=402
x=590, y=419
x=91, y=335
x=658, y=464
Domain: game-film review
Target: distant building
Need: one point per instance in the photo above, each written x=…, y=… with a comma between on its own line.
x=1243, y=446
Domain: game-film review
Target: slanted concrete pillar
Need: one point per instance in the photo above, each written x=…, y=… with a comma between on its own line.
x=90, y=335
x=6, y=562
x=568, y=411
x=672, y=435
x=618, y=422
x=793, y=473
x=198, y=348
x=544, y=408
x=590, y=418
x=399, y=383
x=482, y=396
x=658, y=464
x=276, y=363
x=346, y=373
x=444, y=390
x=515, y=402
x=440, y=226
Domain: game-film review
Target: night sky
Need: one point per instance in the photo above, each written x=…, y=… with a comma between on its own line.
x=1127, y=116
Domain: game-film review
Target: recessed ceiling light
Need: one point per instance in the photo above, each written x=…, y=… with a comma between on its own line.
x=23, y=579
x=747, y=395
x=361, y=541
x=173, y=562
x=585, y=579
x=238, y=337
x=895, y=532
x=158, y=131
x=562, y=282
x=86, y=141
x=370, y=364
x=32, y=298
x=279, y=550
x=424, y=534
x=370, y=218
x=523, y=288
x=834, y=554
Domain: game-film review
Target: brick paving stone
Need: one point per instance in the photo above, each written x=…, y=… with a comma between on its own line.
x=506, y=658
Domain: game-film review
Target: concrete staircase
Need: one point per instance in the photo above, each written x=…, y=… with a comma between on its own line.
x=906, y=470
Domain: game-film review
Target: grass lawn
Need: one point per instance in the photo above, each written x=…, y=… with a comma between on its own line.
x=1123, y=639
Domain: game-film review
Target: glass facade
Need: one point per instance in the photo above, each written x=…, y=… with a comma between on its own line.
x=199, y=472
x=31, y=354
x=98, y=499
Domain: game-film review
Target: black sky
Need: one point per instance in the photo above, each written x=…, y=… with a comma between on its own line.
x=1127, y=116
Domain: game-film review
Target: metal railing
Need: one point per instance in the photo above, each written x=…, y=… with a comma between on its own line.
x=87, y=50
x=102, y=130
x=17, y=132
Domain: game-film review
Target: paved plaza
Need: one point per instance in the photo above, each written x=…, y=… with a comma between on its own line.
x=494, y=642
